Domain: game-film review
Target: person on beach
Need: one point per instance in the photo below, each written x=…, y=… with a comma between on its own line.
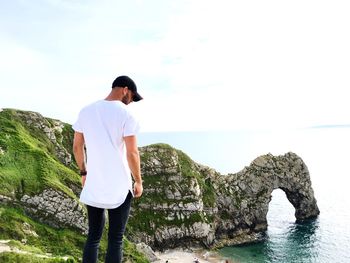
x=108, y=131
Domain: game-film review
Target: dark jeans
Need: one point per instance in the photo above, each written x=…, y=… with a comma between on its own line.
x=118, y=218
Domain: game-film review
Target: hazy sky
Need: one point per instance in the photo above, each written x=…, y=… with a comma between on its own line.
x=200, y=65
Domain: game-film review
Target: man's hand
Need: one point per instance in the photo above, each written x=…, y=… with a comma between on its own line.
x=133, y=157
x=138, y=189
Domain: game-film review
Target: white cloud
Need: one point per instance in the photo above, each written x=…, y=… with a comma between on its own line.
x=207, y=65
x=276, y=66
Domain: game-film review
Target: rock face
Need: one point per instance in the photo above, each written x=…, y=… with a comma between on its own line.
x=56, y=209
x=187, y=203
x=53, y=208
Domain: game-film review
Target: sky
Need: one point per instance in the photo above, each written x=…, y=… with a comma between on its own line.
x=200, y=65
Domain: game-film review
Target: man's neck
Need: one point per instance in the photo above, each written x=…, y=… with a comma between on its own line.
x=114, y=95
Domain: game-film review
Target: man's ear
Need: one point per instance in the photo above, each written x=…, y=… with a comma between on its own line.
x=125, y=90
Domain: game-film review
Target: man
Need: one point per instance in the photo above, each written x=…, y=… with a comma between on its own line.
x=108, y=131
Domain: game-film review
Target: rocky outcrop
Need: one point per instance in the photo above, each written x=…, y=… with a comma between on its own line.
x=52, y=207
x=52, y=129
x=56, y=209
x=187, y=203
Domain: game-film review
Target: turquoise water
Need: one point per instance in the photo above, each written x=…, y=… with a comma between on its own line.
x=325, y=151
x=285, y=240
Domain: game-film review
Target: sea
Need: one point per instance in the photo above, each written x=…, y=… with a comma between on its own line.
x=326, y=152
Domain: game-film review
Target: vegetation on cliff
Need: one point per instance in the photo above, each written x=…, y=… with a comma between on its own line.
x=28, y=163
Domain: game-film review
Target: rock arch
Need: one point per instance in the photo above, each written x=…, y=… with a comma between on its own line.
x=290, y=174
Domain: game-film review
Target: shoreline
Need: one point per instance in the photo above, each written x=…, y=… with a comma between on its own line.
x=179, y=255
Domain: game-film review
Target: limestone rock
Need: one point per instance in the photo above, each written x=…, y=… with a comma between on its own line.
x=188, y=203
x=147, y=251
x=56, y=209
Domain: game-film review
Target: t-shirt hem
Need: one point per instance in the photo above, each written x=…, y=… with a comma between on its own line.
x=98, y=205
x=130, y=134
x=104, y=205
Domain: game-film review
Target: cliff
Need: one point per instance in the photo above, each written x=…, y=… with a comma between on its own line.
x=184, y=203
x=188, y=203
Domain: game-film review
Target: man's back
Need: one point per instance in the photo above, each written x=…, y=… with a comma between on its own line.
x=104, y=125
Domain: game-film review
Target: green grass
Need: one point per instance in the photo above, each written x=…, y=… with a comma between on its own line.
x=28, y=164
x=49, y=240
x=58, y=242
x=11, y=257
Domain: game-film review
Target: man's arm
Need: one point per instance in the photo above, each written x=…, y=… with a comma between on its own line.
x=133, y=157
x=79, y=153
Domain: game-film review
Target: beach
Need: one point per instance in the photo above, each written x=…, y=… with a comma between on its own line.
x=184, y=256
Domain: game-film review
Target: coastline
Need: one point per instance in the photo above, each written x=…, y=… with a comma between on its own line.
x=189, y=255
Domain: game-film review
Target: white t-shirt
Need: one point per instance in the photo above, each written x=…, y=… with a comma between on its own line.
x=104, y=124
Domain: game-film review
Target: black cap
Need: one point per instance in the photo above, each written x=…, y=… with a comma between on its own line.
x=125, y=81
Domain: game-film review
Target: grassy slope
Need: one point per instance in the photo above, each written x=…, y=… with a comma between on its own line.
x=27, y=166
